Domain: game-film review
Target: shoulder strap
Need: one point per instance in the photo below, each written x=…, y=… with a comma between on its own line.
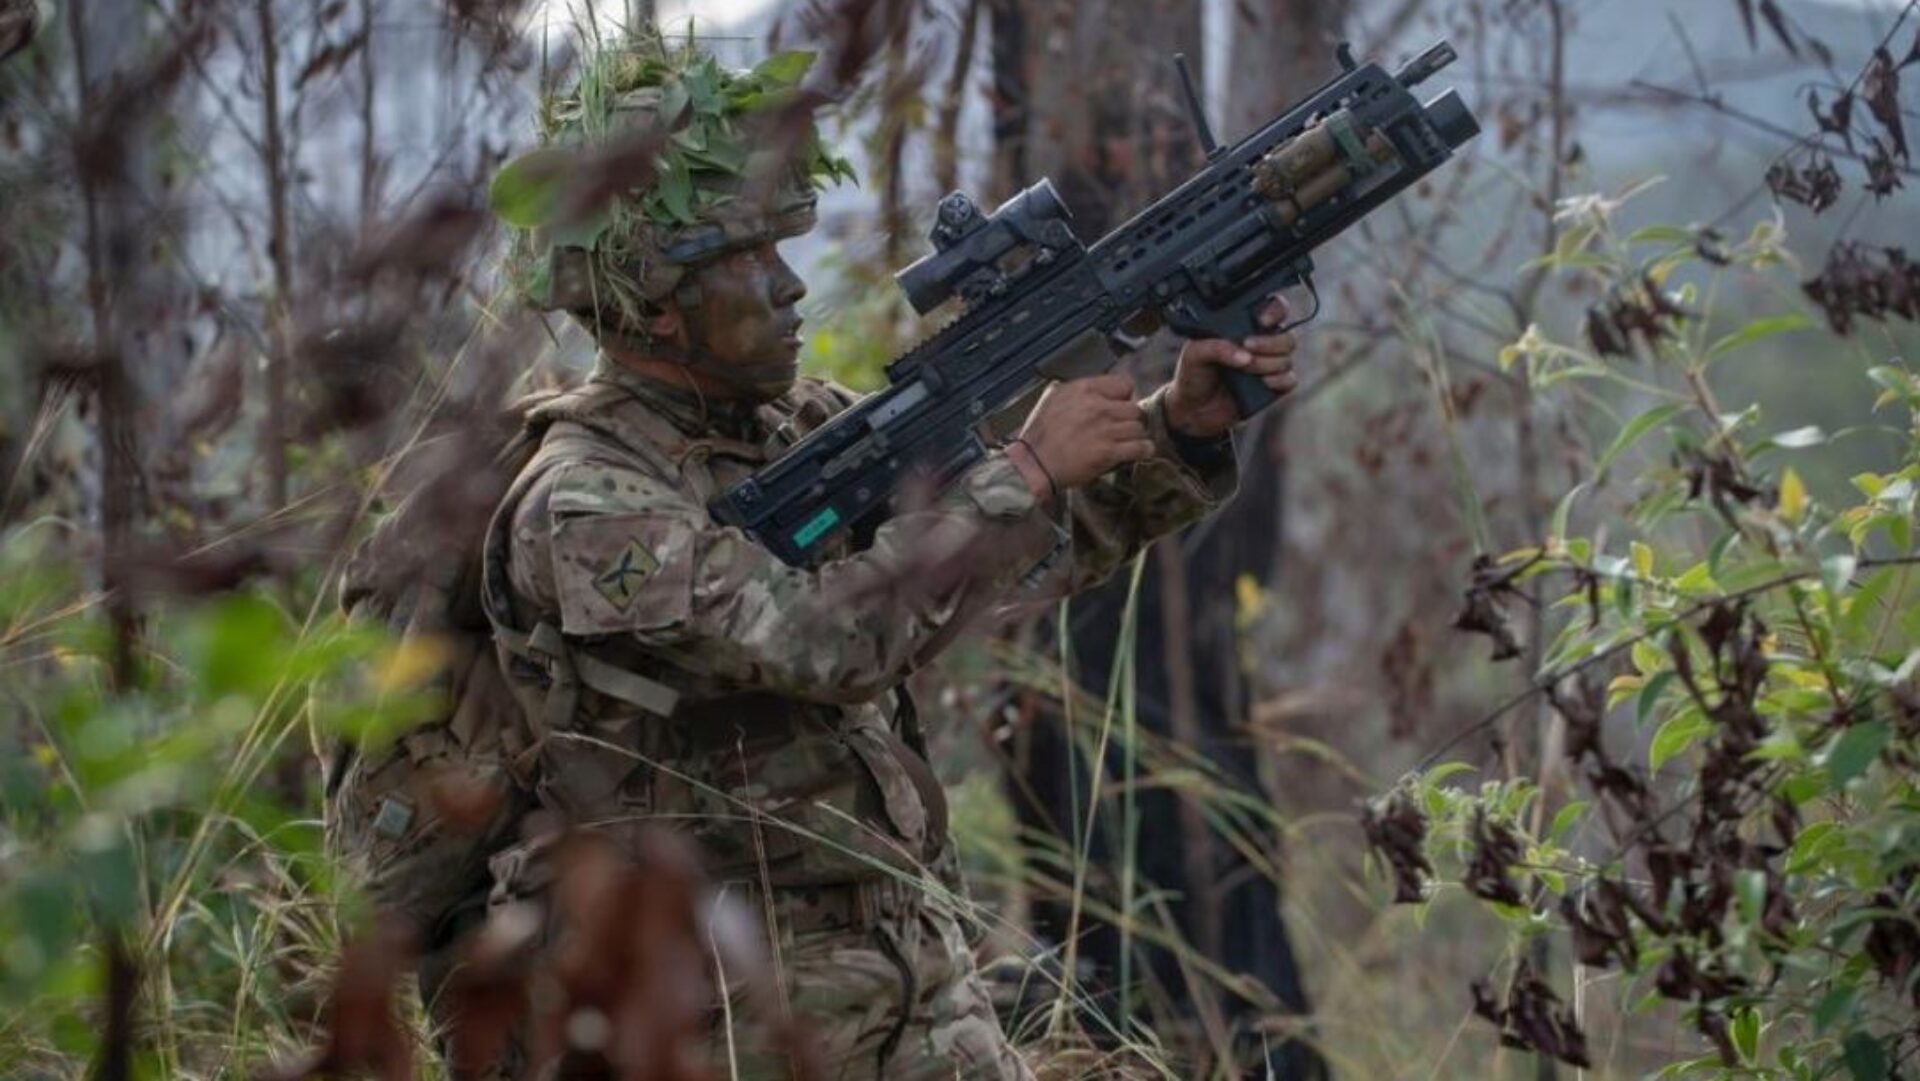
x=543, y=647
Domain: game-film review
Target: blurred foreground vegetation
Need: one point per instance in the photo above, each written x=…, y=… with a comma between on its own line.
x=1583, y=718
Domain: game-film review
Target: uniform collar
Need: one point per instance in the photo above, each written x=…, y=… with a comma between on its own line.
x=686, y=410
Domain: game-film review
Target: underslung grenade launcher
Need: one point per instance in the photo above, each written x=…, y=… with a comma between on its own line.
x=1202, y=260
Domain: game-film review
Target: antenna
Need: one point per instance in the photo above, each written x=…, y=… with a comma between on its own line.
x=1200, y=126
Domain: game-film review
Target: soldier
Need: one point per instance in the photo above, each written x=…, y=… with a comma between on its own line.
x=675, y=673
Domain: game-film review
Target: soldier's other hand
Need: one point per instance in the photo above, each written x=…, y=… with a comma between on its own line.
x=1079, y=430
x=1199, y=403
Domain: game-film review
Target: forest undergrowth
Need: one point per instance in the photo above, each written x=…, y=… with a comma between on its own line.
x=1674, y=833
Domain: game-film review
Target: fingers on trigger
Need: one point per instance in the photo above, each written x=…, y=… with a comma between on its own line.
x=1275, y=311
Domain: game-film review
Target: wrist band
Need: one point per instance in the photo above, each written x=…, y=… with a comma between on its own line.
x=1053, y=489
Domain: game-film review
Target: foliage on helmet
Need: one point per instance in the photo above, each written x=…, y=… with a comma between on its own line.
x=701, y=115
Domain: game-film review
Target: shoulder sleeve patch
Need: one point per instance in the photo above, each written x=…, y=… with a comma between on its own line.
x=624, y=572
x=620, y=579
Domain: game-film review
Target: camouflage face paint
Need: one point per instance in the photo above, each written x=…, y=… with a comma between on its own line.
x=745, y=329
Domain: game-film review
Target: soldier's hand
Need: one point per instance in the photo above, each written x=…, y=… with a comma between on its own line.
x=1199, y=403
x=1079, y=430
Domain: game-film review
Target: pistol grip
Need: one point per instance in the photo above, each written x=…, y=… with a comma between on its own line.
x=1237, y=320
x=1235, y=323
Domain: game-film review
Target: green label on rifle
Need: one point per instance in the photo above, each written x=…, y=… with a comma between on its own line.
x=817, y=528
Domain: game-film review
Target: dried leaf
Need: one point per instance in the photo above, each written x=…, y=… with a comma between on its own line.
x=1485, y=610
x=1397, y=830
x=331, y=58
x=1883, y=173
x=1533, y=1018
x=1880, y=86
x=1777, y=22
x=1837, y=120
x=364, y=1031
x=1816, y=187
x=1496, y=848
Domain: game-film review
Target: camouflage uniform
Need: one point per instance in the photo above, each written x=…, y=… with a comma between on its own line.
x=677, y=674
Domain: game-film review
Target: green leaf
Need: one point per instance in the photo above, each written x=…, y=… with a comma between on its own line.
x=1697, y=579
x=1660, y=234
x=1557, y=528
x=1680, y=732
x=1565, y=819
x=1854, y=750
x=1793, y=496
x=1832, y=1006
x=1896, y=380
x=702, y=82
x=674, y=100
x=1866, y=1059
x=722, y=153
x=675, y=192
x=240, y=647
x=691, y=137
x=1781, y=745
x=1750, y=889
x=1445, y=770
x=1745, y=1031
x=1757, y=330
x=784, y=69
x=1647, y=657
x=1635, y=429
x=1864, y=606
x=526, y=191
x=1801, y=787
x=1650, y=694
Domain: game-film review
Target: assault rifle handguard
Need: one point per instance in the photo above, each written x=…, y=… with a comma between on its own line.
x=1037, y=304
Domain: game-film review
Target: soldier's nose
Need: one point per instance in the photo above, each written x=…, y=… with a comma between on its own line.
x=790, y=289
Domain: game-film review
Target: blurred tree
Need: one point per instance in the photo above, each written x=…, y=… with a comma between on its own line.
x=1087, y=95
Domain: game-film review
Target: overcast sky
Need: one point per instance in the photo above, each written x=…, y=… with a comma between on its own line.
x=727, y=11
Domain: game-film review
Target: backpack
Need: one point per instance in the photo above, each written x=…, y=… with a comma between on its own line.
x=419, y=819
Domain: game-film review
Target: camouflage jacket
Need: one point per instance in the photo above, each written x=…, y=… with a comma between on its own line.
x=756, y=725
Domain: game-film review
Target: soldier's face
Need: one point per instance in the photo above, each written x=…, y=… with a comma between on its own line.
x=746, y=320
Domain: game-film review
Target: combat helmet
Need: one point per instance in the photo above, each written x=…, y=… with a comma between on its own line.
x=729, y=170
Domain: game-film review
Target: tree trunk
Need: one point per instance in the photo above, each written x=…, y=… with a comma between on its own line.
x=1088, y=95
x=273, y=165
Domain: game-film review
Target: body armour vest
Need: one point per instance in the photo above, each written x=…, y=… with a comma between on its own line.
x=776, y=789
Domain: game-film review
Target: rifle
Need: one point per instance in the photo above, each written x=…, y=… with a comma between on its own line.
x=1038, y=305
